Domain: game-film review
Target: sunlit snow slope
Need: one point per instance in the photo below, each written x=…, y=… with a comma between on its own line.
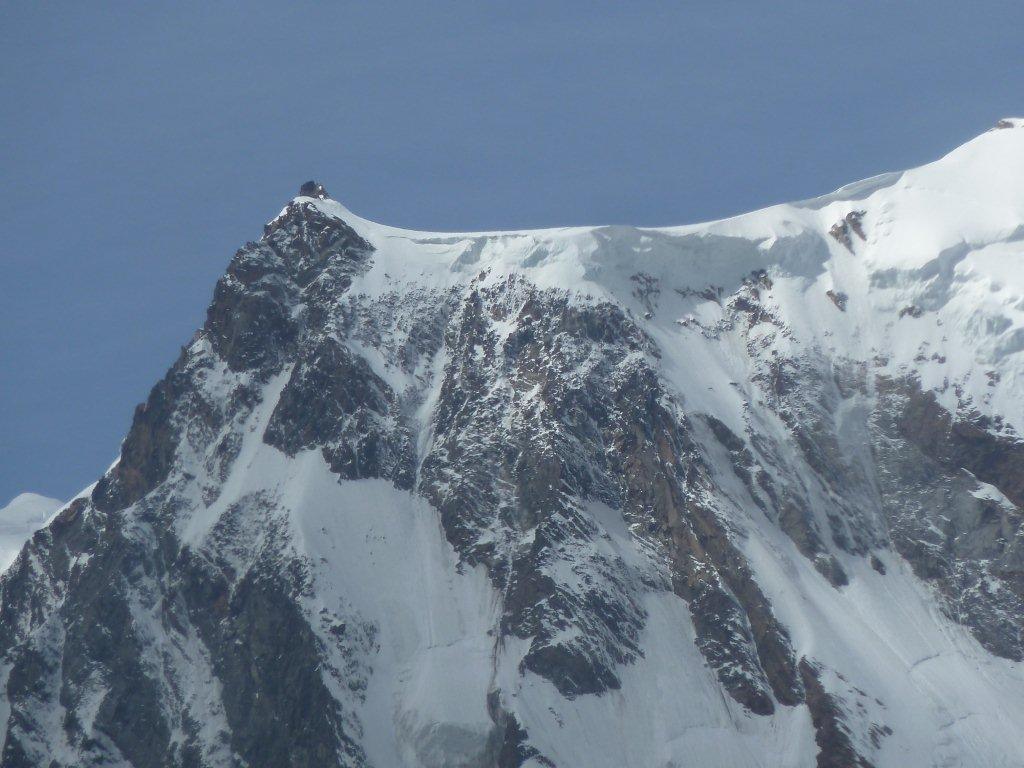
x=23, y=516
x=745, y=493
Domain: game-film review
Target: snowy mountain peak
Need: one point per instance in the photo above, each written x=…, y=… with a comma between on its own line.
x=741, y=493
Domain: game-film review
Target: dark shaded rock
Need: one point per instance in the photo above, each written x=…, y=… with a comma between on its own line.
x=334, y=402
x=838, y=298
x=963, y=443
x=851, y=223
x=512, y=742
x=807, y=394
x=267, y=657
x=312, y=189
x=665, y=481
x=250, y=323
x=148, y=451
x=498, y=459
x=829, y=567
x=832, y=734
x=948, y=535
x=606, y=436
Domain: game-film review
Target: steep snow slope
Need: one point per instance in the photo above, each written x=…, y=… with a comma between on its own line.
x=23, y=516
x=745, y=493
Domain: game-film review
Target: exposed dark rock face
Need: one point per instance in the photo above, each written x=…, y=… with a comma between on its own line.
x=930, y=463
x=967, y=443
x=278, y=708
x=912, y=311
x=303, y=261
x=605, y=436
x=518, y=448
x=831, y=731
x=512, y=749
x=838, y=298
x=333, y=401
x=911, y=481
x=851, y=224
x=834, y=501
x=91, y=589
x=148, y=451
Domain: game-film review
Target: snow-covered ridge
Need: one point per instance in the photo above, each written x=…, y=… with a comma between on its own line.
x=988, y=162
x=930, y=279
x=983, y=170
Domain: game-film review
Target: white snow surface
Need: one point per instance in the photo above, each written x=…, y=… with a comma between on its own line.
x=24, y=515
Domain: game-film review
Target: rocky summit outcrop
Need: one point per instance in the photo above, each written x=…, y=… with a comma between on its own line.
x=709, y=495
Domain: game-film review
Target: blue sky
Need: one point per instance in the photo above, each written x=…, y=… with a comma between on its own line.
x=141, y=145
